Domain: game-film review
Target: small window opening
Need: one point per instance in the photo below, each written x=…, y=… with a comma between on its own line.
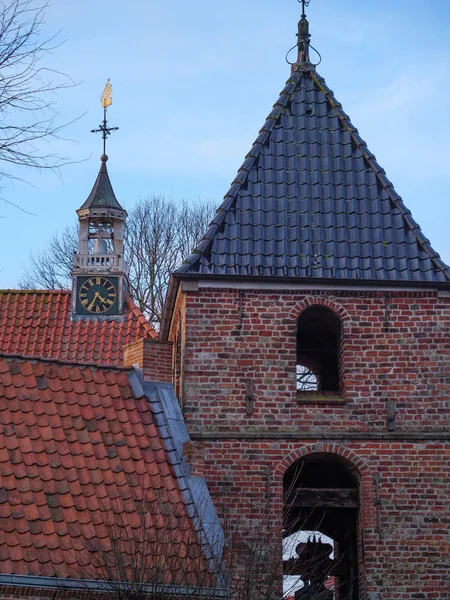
x=318, y=342
x=307, y=378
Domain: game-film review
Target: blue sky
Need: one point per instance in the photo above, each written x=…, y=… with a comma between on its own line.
x=194, y=81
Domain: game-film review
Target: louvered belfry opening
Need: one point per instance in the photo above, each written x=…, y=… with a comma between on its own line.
x=318, y=348
x=321, y=506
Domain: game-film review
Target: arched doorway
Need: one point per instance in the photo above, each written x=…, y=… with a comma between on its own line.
x=321, y=499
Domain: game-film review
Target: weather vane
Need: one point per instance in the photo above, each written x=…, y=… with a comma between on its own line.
x=106, y=100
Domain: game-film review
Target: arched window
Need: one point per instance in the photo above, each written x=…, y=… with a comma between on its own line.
x=320, y=521
x=318, y=346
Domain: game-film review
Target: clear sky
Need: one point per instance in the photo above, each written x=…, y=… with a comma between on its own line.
x=194, y=81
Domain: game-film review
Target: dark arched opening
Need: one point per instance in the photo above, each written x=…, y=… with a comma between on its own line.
x=318, y=346
x=321, y=498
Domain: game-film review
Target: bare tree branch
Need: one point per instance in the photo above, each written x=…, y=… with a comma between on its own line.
x=28, y=115
x=159, y=234
x=151, y=550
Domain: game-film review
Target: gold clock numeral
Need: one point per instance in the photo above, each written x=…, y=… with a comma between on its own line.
x=110, y=302
x=97, y=280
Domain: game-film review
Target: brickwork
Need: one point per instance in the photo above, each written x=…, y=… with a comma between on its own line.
x=154, y=358
x=16, y=592
x=194, y=453
x=408, y=361
x=394, y=348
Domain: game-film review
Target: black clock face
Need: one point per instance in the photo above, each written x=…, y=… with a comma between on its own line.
x=97, y=295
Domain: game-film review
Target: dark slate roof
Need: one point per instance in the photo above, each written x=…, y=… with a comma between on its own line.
x=102, y=194
x=310, y=201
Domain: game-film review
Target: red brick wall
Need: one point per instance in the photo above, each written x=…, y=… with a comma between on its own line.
x=15, y=592
x=231, y=339
x=153, y=357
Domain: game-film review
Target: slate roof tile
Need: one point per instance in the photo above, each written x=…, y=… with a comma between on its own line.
x=59, y=475
x=310, y=201
x=38, y=323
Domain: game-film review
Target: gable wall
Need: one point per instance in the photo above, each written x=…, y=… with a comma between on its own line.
x=246, y=455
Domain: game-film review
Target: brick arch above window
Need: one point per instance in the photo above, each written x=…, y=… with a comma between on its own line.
x=323, y=448
x=326, y=302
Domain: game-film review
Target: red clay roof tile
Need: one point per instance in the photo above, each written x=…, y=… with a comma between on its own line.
x=39, y=323
x=64, y=472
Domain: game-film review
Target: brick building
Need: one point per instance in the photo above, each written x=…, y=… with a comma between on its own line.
x=311, y=344
x=307, y=343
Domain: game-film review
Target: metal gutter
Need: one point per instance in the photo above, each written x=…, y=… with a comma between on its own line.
x=316, y=281
x=35, y=581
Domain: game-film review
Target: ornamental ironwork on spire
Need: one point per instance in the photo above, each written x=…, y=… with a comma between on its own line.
x=303, y=36
x=102, y=194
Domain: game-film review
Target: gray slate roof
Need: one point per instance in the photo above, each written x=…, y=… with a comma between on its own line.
x=102, y=194
x=310, y=201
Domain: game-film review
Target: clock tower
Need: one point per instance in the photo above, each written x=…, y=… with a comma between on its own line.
x=99, y=270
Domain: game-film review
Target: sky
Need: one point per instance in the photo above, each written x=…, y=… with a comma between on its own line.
x=193, y=83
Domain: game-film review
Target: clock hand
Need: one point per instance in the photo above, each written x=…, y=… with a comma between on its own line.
x=89, y=308
x=102, y=299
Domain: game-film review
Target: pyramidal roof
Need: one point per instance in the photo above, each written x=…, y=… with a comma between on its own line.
x=102, y=194
x=310, y=201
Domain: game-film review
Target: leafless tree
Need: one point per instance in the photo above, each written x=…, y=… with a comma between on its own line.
x=152, y=551
x=27, y=111
x=50, y=269
x=159, y=234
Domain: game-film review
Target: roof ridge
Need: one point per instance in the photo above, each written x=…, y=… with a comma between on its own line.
x=140, y=316
x=35, y=291
x=243, y=171
x=380, y=175
x=61, y=361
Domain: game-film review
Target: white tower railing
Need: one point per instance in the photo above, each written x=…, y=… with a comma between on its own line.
x=99, y=262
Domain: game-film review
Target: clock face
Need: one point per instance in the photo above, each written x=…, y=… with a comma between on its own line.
x=97, y=295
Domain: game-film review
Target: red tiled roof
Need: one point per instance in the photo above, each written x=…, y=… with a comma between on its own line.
x=76, y=447
x=38, y=323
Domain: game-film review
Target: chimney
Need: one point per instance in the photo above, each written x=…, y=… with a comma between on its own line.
x=153, y=357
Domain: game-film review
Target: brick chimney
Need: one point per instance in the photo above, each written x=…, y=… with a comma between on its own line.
x=153, y=357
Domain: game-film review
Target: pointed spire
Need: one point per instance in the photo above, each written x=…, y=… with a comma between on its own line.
x=102, y=194
x=304, y=37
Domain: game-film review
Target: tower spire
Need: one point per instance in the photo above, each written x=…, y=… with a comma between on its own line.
x=106, y=100
x=303, y=36
x=99, y=269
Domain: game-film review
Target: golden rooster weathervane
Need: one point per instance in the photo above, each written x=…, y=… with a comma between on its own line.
x=106, y=100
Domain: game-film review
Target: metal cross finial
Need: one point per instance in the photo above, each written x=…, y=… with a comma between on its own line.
x=106, y=100
x=305, y=4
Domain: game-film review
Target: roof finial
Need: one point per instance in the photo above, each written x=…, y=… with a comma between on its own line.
x=106, y=100
x=303, y=36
